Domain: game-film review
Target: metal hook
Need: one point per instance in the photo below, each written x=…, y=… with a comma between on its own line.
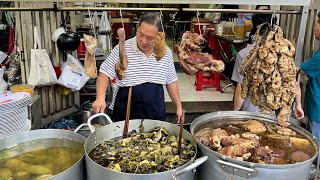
x=198, y=14
x=91, y=23
x=272, y=17
x=121, y=18
x=161, y=20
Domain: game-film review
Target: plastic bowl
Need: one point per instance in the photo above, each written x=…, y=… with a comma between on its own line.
x=22, y=88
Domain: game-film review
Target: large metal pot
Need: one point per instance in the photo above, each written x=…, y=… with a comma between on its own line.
x=74, y=172
x=115, y=130
x=220, y=167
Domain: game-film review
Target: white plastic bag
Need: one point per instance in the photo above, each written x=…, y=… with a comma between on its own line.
x=104, y=27
x=73, y=74
x=41, y=69
x=3, y=84
x=96, y=19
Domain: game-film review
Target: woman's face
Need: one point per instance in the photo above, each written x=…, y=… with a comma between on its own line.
x=317, y=28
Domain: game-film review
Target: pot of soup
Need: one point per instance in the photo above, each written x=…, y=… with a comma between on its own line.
x=51, y=154
x=244, y=145
x=149, y=152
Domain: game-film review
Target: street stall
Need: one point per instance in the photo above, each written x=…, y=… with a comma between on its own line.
x=60, y=50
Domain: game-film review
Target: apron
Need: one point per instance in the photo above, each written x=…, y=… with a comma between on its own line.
x=147, y=102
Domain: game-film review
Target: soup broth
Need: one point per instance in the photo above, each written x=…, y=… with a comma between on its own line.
x=39, y=159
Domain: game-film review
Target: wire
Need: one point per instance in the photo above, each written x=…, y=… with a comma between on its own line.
x=198, y=14
x=91, y=23
x=121, y=18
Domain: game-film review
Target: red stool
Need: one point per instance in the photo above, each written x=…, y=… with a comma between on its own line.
x=211, y=79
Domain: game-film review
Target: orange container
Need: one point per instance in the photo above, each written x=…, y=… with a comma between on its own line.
x=22, y=88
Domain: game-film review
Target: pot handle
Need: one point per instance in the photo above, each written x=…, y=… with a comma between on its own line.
x=92, y=129
x=80, y=127
x=237, y=169
x=195, y=164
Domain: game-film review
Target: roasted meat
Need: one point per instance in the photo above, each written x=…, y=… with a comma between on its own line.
x=269, y=73
x=90, y=58
x=160, y=47
x=190, y=57
x=254, y=126
x=122, y=65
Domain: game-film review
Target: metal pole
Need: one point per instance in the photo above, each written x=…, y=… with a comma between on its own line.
x=146, y=9
x=242, y=11
x=301, y=35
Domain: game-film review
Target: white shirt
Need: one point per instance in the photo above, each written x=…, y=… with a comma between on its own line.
x=141, y=69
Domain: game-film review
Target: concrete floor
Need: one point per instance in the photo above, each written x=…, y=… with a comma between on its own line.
x=197, y=102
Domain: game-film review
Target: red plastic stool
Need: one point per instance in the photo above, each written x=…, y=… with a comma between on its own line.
x=211, y=79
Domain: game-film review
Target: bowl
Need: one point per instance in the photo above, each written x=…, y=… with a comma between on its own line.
x=22, y=88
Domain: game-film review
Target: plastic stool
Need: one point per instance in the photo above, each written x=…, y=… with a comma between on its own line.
x=211, y=79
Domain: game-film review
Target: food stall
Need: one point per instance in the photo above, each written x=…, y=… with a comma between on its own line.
x=159, y=142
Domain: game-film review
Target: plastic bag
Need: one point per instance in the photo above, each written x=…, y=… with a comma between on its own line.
x=73, y=74
x=104, y=27
x=3, y=84
x=41, y=69
x=95, y=20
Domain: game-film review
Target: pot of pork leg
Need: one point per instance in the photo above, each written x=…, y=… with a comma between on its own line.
x=244, y=145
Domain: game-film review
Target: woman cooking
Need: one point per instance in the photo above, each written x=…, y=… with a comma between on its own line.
x=144, y=73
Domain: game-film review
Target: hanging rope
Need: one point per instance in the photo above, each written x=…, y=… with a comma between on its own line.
x=91, y=23
x=161, y=15
x=121, y=18
x=198, y=14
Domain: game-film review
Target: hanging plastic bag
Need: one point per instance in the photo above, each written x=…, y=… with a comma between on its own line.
x=73, y=74
x=41, y=70
x=104, y=27
x=95, y=20
x=3, y=84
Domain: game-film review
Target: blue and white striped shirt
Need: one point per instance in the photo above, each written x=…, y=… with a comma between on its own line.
x=141, y=69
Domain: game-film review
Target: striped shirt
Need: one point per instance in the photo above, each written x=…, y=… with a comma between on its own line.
x=141, y=69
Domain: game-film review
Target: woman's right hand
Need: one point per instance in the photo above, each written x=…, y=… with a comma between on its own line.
x=99, y=105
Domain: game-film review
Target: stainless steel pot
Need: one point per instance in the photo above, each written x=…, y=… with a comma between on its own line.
x=114, y=130
x=220, y=167
x=74, y=172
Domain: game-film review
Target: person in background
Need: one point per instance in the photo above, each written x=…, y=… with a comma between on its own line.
x=311, y=68
x=145, y=74
x=263, y=7
x=245, y=104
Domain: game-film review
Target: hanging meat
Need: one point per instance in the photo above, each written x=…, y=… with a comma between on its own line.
x=190, y=57
x=270, y=73
x=160, y=47
x=122, y=65
x=90, y=58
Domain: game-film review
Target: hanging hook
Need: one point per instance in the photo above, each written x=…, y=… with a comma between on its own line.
x=121, y=18
x=161, y=20
x=198, y=14
x=91, y=23
x=272, y=17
